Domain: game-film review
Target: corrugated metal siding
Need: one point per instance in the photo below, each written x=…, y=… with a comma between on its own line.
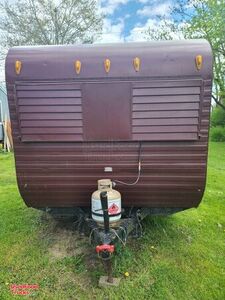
x=58, y=174
x=172, y=174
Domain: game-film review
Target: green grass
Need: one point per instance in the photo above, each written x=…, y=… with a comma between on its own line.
x=187, y=260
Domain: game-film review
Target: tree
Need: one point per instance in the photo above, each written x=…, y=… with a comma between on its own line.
x=49, y=22
x=199, y=19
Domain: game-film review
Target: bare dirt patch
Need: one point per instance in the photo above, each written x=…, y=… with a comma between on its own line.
x=64, y=240
x=66, y=244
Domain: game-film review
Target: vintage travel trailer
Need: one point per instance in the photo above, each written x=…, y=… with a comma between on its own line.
x=136, y=114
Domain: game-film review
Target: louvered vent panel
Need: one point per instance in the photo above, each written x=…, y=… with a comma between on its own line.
x=49, y=112
x=167, y=110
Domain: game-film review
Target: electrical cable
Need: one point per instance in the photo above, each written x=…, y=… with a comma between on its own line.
x=90, y=236
x=119, y=238
x=140, y=227
x=139, y=171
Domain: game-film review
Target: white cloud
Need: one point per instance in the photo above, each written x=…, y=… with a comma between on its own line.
x=127, y=16
x=108, y=7
x=138, y=33
x=112, y=33
x=162, y=9
x=143, y=1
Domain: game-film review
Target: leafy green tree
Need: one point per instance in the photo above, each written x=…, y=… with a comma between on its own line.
x=49, y=22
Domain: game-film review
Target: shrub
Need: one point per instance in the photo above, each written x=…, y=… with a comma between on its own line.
x=218, y=117
x=217, y=134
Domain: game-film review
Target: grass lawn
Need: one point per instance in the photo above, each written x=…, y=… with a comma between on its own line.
x=179, y=257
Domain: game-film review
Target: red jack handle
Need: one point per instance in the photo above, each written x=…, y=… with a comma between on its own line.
x=105, y=247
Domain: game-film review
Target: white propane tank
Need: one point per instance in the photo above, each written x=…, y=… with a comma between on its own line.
x=114, y=202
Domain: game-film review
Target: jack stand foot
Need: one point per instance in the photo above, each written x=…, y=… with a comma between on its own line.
x=103, y=282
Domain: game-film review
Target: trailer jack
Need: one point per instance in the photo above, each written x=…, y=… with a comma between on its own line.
x=106, y=249
x=105, y=252
x=105, y=237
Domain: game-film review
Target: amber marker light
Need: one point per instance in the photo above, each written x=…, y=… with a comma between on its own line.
x=18, y=66
x=198, y=62
x=77, y=66
x=107, y=64
x=137, y=64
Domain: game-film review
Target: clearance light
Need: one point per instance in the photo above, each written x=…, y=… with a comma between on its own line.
x=77, y=66
x=137, y=63
x=198, y=62
x=107, y=64
x=18, y=66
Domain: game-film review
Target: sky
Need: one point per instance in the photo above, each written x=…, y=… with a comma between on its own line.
x=127, y=20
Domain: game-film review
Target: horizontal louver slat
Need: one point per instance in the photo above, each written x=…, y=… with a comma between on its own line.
x=165, y=121
x=166, y=99
x=167, y=91
x=51, y=123
x=164, y=129
x=52, y=130
x=169, y=106
x=50, y=109
x=52, y=138
x=51, y=116
x=49, y=101
x=49, y=94
x=166, y=114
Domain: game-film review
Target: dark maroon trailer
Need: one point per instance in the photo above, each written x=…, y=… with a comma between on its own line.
x=135, y=112
x=73, y=120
